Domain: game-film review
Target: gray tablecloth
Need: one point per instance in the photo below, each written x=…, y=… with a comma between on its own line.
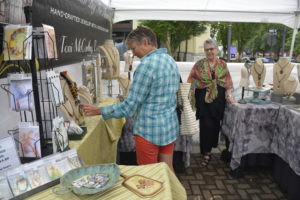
x=269, y=128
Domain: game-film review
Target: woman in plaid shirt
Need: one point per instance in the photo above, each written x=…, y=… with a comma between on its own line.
x=151, y=99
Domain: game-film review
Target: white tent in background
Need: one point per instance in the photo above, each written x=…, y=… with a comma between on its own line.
x=262, y=11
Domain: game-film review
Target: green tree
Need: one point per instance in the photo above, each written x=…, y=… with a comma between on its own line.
x=172, y=33
x=241, y=33
x=219, y=30
x=259, y=41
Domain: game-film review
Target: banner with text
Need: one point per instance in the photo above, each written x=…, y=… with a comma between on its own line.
x=80, y=26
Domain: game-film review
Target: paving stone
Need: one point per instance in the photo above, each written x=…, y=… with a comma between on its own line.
x=243, y=194
x=195, y=189
x=215, y=192
x=255, y=197
x=268, y=196
x=197, y=182
x=220, y=184
x=243, y=186
x=207, y=195
x=266, y=189
x=254, y=191
x=230, y=189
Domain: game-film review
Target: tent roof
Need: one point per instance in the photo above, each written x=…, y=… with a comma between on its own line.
x=266, y=11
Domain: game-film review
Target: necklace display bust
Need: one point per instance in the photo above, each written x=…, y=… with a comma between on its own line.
x=245, y=75
x=281, y=71
x=111, y=64
x=290, y=85
x=128, y=57
x=258, y=71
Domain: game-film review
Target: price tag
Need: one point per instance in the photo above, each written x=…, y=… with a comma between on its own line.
x=8, y=154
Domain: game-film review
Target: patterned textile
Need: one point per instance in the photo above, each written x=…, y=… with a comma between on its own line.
x=269, y=128
x=202, y=76
x=127, y=142
x=184, y=144
x=152, y=97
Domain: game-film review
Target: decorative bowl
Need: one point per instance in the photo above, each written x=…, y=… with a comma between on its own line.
x=112, y=170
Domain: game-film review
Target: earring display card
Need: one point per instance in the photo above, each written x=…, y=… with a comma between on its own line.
x=29, y=138
x=37, y=174
x=4, y=188
x=18, y=181
x=57, y=168
x=55, y=86
x=50, y=41
x=60, y=134
x=21, y=95
x=17, y=42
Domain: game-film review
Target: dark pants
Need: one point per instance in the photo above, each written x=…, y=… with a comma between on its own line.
x=209, y=134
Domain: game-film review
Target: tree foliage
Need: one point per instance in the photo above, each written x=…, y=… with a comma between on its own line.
x=172, y=33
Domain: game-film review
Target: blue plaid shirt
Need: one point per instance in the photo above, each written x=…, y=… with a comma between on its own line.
x=152, y=98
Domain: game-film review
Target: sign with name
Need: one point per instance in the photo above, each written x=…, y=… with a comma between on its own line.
x=8, y=154
x=80, y=26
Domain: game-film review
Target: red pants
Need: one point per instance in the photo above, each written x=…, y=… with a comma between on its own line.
x=147, y=152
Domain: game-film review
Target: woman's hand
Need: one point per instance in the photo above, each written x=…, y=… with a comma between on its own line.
x=231, y=100
x=90, y=110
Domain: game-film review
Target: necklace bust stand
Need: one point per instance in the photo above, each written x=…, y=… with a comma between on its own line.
x=111, y=60
x=258, y=72
x=281, y=71
x=245, y=78
x=290, y=86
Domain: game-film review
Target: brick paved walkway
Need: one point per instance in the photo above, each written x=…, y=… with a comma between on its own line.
x=204, y=183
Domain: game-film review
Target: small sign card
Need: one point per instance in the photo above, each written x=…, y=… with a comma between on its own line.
x=8, y=154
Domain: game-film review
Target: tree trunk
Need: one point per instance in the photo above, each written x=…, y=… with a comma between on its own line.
x=178, y=54
x=186, y=47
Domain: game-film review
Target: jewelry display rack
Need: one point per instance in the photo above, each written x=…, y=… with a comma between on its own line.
x=45, y=110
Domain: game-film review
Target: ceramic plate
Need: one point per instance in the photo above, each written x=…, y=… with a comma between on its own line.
x=112, y=170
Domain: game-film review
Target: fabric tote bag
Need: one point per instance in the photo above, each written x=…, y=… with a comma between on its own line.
x=189, y=124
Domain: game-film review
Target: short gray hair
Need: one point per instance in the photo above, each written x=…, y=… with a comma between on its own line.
x=140, y=33
x=212, y=42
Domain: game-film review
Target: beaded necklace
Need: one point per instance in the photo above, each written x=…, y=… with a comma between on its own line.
x=259, y=75
x=282, y=67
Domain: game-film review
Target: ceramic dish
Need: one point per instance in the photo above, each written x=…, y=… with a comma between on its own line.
x=111, y=170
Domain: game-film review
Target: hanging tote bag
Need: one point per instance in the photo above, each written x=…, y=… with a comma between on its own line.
x=189, y=124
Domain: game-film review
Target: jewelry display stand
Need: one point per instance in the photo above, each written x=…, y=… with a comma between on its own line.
x=259, y=95
x=245, y=78
x=281, y=72
x=44, y=109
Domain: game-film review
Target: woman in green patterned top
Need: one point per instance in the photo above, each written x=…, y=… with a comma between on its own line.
x=211, y=86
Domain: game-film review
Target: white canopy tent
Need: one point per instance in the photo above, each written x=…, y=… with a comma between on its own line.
x=262, y=11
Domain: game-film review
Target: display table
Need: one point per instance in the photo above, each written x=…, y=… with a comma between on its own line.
x=99, y=145
x=173, y=190
x=265, y=134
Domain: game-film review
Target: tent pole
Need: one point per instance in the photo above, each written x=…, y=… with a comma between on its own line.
x=294, y=32
x=293, y=43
